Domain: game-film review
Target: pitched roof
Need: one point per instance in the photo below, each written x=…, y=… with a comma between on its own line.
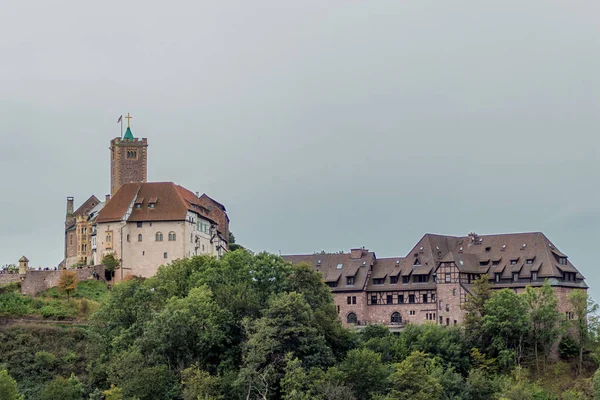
x=336, y=264
x=172, y=203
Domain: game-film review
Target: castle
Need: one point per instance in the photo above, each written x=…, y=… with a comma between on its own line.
x=431, y=283
x=143, y=224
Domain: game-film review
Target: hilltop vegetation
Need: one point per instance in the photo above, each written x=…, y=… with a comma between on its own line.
x=253, y=327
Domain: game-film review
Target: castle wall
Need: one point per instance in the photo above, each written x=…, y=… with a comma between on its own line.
x=9, y=278
x=35, y=282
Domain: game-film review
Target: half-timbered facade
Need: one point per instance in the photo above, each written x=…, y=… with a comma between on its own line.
x=431, y=283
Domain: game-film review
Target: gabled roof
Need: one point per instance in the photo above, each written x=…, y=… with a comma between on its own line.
x=172, y=203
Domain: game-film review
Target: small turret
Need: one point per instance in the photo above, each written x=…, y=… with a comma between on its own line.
x=23, y=265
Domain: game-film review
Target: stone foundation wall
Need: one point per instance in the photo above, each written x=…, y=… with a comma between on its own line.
x=38, y=281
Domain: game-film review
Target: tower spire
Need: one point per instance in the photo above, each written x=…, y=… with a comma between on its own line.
x=128, y=134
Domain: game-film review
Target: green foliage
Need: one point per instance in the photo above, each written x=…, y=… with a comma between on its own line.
x=413, y=379
x=544, y=321
x=365, y=372
x=199, y=384
x=110, y=262
x=90, y=289
x=8, y=387
x=251, y=326
x=64, y=389
x=505, y=325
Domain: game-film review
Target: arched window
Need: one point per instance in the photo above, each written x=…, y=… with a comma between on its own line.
x=159, y=236
x=351, y=318
x=172, y=237
x=140, y=237
x=396, y=318
x=128, y=237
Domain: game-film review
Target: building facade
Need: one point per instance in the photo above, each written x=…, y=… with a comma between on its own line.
x=146, y=225
x=432, y=282
x=143, y=224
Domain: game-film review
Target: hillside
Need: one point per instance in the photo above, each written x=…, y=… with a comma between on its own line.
x=254, y=327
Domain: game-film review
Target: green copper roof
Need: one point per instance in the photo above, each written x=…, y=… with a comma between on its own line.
x=128, y=134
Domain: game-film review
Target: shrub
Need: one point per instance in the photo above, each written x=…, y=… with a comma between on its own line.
x=567, y=348
x=44, y=360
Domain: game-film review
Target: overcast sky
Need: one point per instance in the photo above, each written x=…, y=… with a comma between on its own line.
x=321, y=125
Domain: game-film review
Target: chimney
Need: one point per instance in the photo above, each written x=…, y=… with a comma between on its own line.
x=358, y=253
x=106, y=198
x=70, y=201
x=198, y=194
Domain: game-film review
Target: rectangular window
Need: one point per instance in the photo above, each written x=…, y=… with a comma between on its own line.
x=165, y=255
x=378, y=281
x=350, y=280
x=373, y=299
x=400, y=298
x=425, y=298
x=447, y=321
x=393, y=279
x=140, y=237
x=420, y=278
x=441, y=320
x=389, y=299
x=513, y=262
x=497, y=277
x=349, y=300
x=411, y=298
x=448, y=277
x=427, y=316
x=515, y=277
x=332, y=284
x=534, y=276
x=447, y=307
x=338, y=309
x=353, y=299
x=139, y=224
x=405, y=279
x=433, y=297
x=562, y=261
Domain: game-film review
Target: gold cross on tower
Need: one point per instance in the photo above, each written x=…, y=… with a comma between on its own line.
x=128, y=119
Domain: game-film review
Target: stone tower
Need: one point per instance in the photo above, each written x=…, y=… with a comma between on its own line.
x=128, y=160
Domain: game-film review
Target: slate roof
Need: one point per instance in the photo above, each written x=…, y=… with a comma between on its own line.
x=340, y=266
x=477, y=254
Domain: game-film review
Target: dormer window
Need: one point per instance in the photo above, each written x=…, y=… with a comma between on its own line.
x=562, y=260
x=498, y=275
x=139, y=202
x=515, y=277
x=152, y=202
x=534, y=276
x=495, y=262
x=514, y=261
x=417, y=263
x=350, y=280
x=378, y=281
x=530, y=261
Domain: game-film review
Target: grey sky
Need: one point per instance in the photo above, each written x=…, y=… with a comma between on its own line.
x=319, y=124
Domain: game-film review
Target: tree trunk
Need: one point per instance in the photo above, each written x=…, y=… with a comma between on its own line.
x=537, y=361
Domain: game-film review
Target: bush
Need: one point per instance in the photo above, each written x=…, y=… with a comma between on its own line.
x=14, y=305
x=44, y=360
x=568, y=348
x=55, y=311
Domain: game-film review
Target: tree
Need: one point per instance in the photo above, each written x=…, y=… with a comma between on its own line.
x=63, y=388
x=583, y=307
x=67, y=282
x=199, y=384
x=412, y=379
x=8, y=387
x=294, y=382
x=505, y=325
x=114, y=393
x=187, y=330
x=365, y=372
x=544, y=318
x=481, y=291
x=233, y=246
x=110, y=262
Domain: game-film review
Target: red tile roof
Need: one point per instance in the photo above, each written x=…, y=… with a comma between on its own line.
x=172, y=203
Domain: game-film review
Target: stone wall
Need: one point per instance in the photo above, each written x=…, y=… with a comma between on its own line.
x=9, y=278
x=38, y=281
